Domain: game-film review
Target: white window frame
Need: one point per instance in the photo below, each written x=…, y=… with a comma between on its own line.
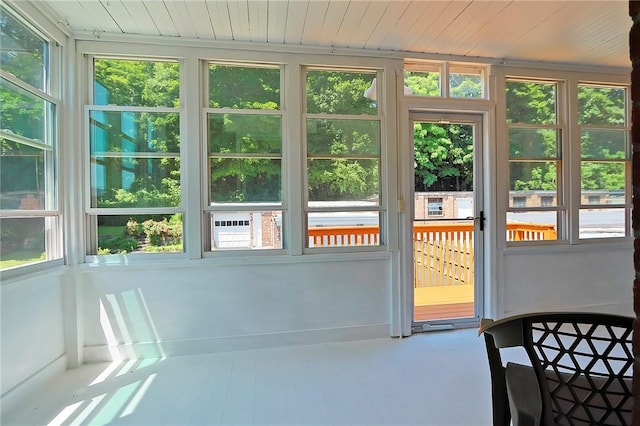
x=51, y=212
x=92, y=213
x=381, y=207
x=567, y=110
x=211, y=208
x=627, y=206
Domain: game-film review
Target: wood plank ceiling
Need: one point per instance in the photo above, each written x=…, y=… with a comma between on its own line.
x=569, y=32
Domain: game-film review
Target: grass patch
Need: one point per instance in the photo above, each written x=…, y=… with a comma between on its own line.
x=20, y=258
x=110, y=231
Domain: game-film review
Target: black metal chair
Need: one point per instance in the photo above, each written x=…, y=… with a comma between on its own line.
x=579, y=371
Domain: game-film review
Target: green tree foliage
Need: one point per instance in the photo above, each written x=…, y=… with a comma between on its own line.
x=533, y=152
x=531, y=103
x=602, y=109
x=423, y=83
x=244, y=149
x=147, y=84
x=443, y=155
x=244, y=87
x=343, y=154
x=22, y=52
x=21, y=113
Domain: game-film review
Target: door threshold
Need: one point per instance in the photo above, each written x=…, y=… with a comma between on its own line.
x=423, y=327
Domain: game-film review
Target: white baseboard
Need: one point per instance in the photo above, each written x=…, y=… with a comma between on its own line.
x=102, y=353
x=34, y=383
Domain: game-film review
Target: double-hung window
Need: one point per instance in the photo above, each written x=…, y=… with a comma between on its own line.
x=134, y=157
x=605, y=202
x=569, y=160
x=343, y=204
x=535, y=160
x=244, y=203
x=30, y=225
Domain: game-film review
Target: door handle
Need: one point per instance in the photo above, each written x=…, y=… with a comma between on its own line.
x=481, y=220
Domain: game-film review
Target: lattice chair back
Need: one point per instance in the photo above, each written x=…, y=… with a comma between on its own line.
x=584, y=367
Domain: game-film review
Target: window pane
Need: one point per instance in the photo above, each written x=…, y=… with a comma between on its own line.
x=343, y=138
x=601, y=105
x=134, y=132
x=246, y=230
x=423, y=83
x=127, y=181
x=602, y=223
x=24, y=53
x=22, y=242
x=532, y=226
x=606, y=177
x=434, y=206
x=343, y=229
x=136, y=83
x=339, y=92
x=22, y=176
x=343, y=180
x=242, y=180
x=533, y=176
x=244, y=133
x=464, y=85
x=25, y=114
x=532, y=103
x=139, y=234
x=604, y=144
x=244, y=87
x=533, y=143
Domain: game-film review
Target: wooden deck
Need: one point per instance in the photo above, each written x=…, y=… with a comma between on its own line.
x=443, y=302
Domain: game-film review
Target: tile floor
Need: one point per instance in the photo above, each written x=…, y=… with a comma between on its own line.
x=433, y=379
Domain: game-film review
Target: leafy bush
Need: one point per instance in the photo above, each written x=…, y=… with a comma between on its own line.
x=164, y=232
x=116, y=245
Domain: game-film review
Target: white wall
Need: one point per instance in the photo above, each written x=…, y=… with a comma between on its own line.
x=596, y=277
x=32, y=337
x=200, y=306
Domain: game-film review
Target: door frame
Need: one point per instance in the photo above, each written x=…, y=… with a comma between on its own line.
x=406, y=179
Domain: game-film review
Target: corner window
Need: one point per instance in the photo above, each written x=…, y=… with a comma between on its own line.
x=605, y=161
x=30, y=219
x=343, y=158
x=535, y=160
x=244, y=157
x=134, y=157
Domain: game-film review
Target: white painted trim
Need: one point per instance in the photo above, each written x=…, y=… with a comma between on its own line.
x=32, y=384
x=101, y=353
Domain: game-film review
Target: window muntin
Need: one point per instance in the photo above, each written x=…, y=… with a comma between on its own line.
x=343, y=151
x=605, y=161
x=245, y=161
x=134, y=157
x=535, y=159
x=29, y=217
